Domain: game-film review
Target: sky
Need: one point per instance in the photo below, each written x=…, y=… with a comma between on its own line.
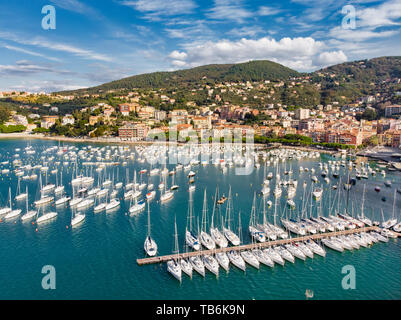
x=96, y=41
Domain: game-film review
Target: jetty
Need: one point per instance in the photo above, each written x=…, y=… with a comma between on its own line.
x=161, y=259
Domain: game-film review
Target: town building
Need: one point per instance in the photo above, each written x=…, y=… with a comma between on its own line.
x=133, y=132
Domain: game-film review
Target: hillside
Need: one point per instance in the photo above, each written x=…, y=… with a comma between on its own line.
x=373, y=70
x=250, y=71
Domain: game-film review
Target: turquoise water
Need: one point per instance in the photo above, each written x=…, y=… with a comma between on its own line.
x=97, y=260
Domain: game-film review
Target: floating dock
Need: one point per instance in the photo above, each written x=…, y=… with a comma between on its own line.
x=161, y=259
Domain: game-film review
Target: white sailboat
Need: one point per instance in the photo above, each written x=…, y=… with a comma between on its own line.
x=45, y=216
x=388, y=224
x=76, y=218
x=172, y=265
x=215, y=233
x=205, y=239
x=230, y=235
x=13, y=213
x=191, y=240
x=150, y=245
x=59, y=187
x=20, y=196
x=29, y=214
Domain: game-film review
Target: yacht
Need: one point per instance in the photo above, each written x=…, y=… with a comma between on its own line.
x=211, y=264
x=173, y=266
x=137, y=207
x=150, y=245
x=263, y=258
x=198, y=265
x=236, y=259
x=274, y=256
x=186, y=267
x=250, y=258
x=223, y=260
x=175, y=269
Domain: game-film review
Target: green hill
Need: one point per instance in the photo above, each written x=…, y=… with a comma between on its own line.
x=250, y=71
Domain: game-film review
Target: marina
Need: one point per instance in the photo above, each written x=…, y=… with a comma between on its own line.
x=160, y=259
x=153, y=234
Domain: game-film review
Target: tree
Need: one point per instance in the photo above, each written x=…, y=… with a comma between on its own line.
x=369, y=114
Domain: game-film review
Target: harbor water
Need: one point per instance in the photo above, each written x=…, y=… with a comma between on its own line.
x=97, y=259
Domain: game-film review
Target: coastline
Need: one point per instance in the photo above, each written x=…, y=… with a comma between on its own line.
x=116, y=140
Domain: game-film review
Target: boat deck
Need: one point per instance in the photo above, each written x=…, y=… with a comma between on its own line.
x=161, y=259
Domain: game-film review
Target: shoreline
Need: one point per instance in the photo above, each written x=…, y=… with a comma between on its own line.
x=116, y=140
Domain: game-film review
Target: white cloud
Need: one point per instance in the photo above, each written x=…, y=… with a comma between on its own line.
x=268, y=11
x=360, y=34
x=331, y=58
x=43, y=43
x=29, y=52
x=301, y=53
x=24, y=67
x=385, y=14
x=229, y=10
x=154, y=9
x=76, y=6
x=176, y=55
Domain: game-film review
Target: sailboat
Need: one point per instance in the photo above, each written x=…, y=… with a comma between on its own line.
x=43, y=199
x=29, y=214
x=172, y=265
x=47, y=187
x=247, y=255
x=150, y=245
x=362, y=217
x=20, y=196
x=173, y=185
x=6, y=210
x=76, y=218
x=204, y=237
x=137, y=206
x=59, y=187
x=166, y=194
x=393, y=221
x=45, y=216
x=255, y=233
x=211, y=264
x=197, y=262
x=230, y=235
x=12, y=213
x=190, y=239
x=215, y=233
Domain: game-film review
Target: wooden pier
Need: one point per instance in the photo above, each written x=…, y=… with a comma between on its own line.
x=161, y=259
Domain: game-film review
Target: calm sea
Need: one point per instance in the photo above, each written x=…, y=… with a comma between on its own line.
x=97, y=260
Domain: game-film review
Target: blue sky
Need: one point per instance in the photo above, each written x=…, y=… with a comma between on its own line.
x=96, y=41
